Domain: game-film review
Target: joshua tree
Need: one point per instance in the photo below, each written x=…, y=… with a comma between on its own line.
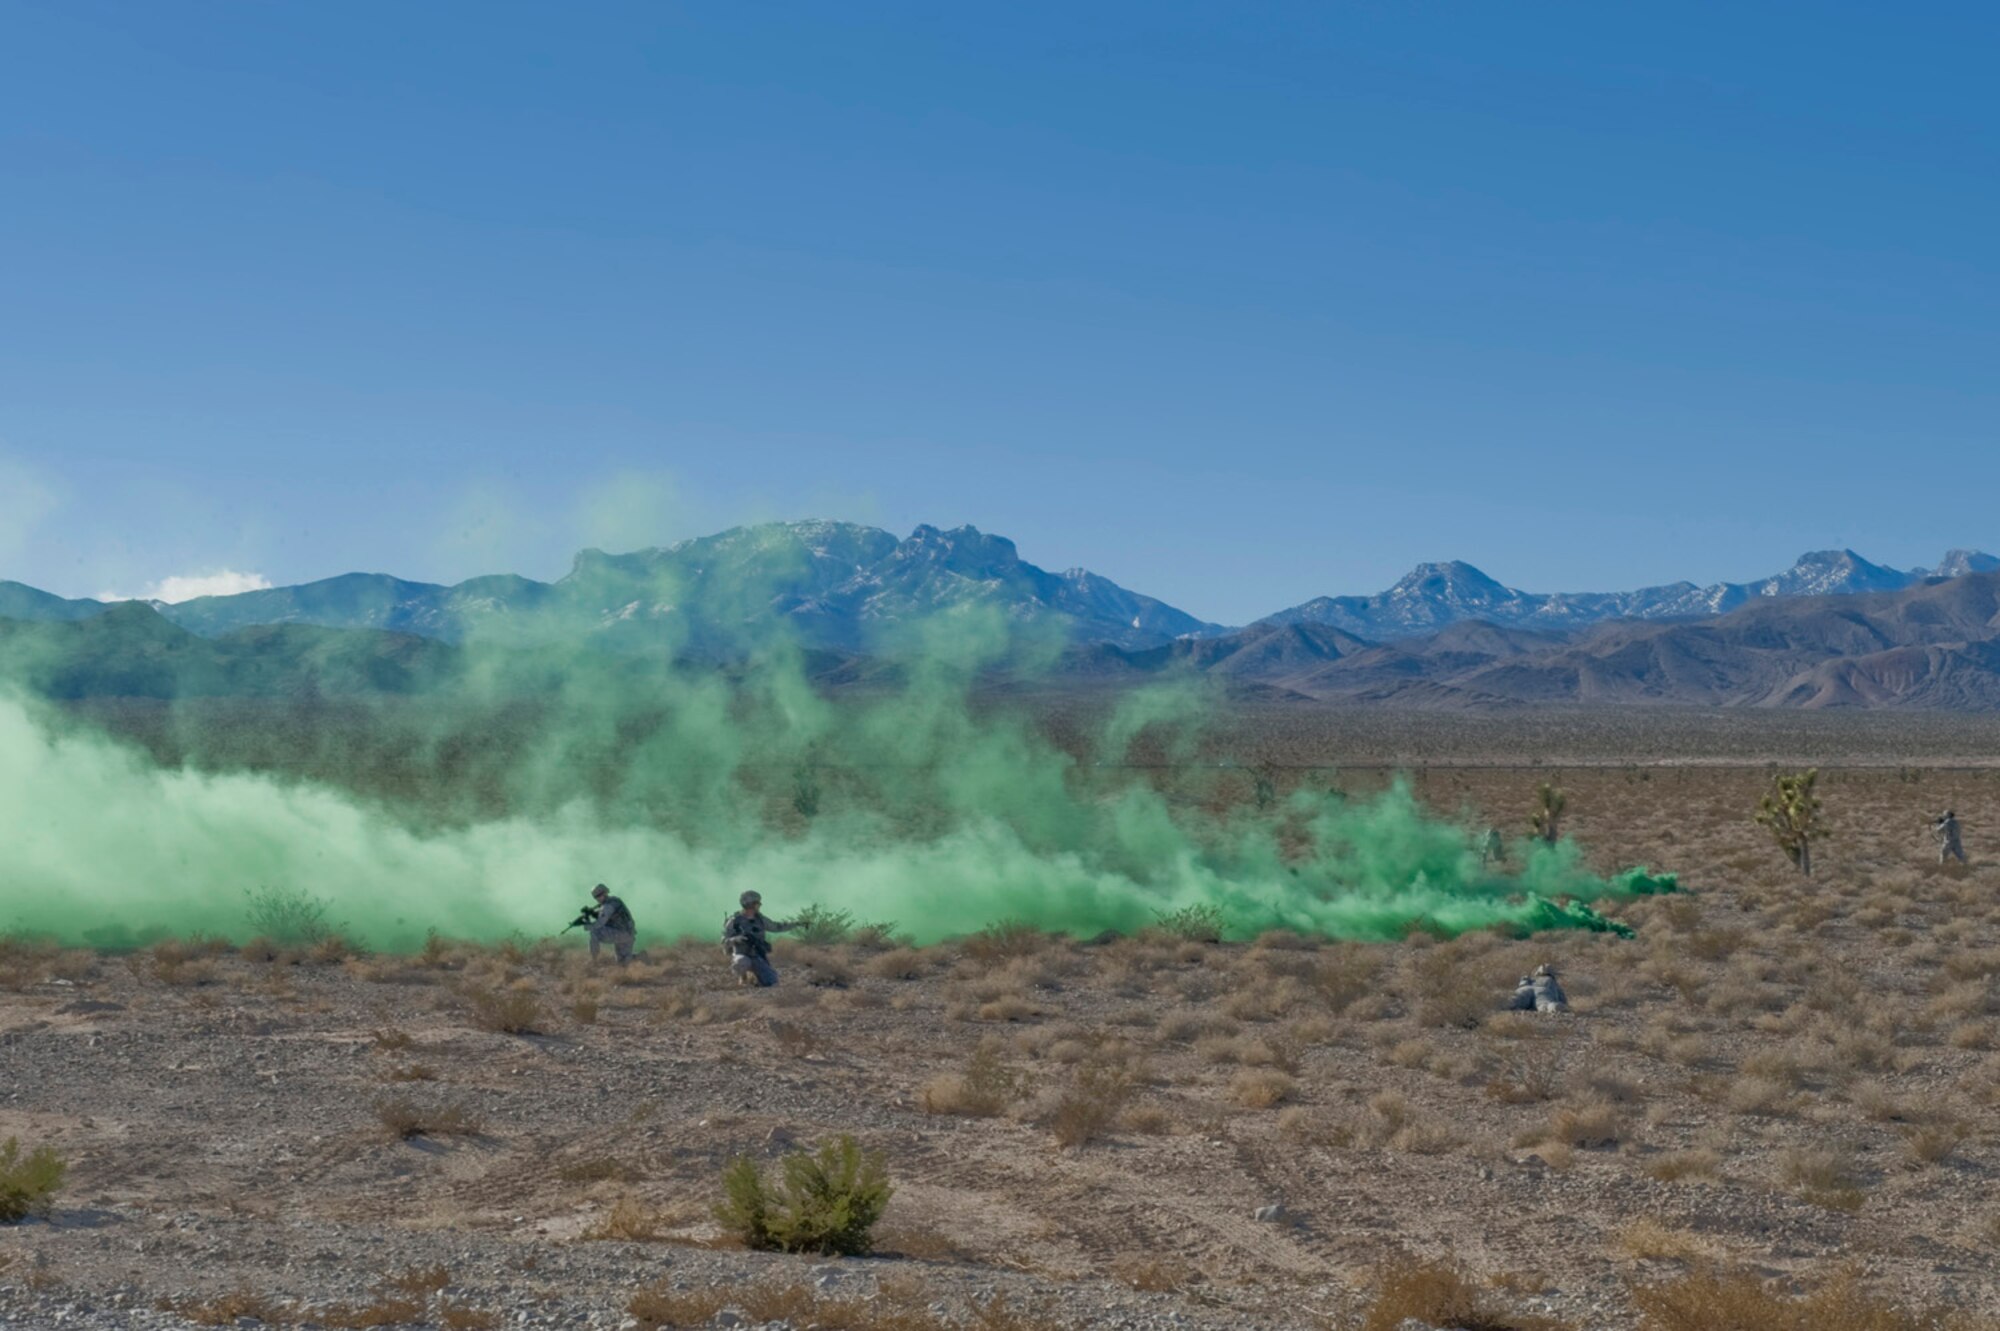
x=1792, y=812
x=1546, y=820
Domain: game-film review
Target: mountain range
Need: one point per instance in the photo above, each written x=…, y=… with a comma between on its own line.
x=846, y=587
x=1833, y=630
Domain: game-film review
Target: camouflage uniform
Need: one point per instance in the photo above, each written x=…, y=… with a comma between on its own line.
x=1539, y=992
x=1492, y=848
x=1945, y=829
x=750, y=951
x=614, y=926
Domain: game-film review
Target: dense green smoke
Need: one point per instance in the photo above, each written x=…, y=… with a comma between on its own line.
x=490, y=805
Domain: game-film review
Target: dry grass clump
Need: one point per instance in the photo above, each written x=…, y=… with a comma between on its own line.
x=631, y=1221
x=984, y=1088
x=403, y=1118
x=1390, y=1122
x=1455, y=990
x=1089, y=1105
x=1824, y=1176
x=1005, y=940
x=1934, y=1143
x=1760, y=1096
x=240, y=1305
x=1590, y=1127
x=1678, y=1166
x=1647, y=1240
x=1528, y=1077
x=1442, y=1295
x=508, y=1011
x=896, y=1306
x=1262, y=1088
x=1706, y=1299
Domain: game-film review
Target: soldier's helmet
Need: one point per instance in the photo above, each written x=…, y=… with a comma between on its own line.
x=600, y=891
x=749, y=899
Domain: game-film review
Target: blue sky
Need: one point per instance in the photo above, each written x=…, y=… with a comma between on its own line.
x=1236, y=304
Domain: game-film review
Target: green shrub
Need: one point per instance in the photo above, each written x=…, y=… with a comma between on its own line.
x=287, y=915
x=28, y=1184
x=1195, y=924
x=822, y=924
x=825, y=1201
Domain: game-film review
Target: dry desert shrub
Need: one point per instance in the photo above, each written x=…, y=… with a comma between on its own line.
x=1006, y=940
x=1088, y=1107
x=631, y=1221
x=1147, y=1121
x=419, y=1281
x=1262, y=1088
x=237, y=1307
x=1761, y=1096
x=1438, y=1294
x=1455, y=990
x=1706, y=1299
x=1677, y=1166
x=1592, y=1127
x=1824, y=1176
x=1528, y=1077
x=1647, y=1240
x=984, y=1088
x=1935, y=1143
x=508, y=1011
x=902, y=963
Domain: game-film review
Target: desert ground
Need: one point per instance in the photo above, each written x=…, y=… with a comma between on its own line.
x=1782, y=1089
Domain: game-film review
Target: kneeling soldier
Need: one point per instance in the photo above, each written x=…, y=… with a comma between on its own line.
x=749, y=950
x=613, y=925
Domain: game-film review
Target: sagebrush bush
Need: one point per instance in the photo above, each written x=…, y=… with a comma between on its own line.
x=28, y=1183
x=825, y=1201
x=508, y=1011
x=1435, y=1294
x=1090, y=1104
x=1709, y=1300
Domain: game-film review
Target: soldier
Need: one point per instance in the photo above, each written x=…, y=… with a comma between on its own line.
x=749, y=950
x=1540, y=992
x=1492, y=849
x=1549, y=995
x=613, y=925
x=1945, y=828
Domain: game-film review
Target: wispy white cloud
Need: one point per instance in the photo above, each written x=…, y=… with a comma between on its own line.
x=187, y=586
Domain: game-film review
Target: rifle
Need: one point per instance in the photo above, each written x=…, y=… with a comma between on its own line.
x=584, y=919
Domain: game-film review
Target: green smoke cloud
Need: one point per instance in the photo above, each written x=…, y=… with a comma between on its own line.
x=486, y=805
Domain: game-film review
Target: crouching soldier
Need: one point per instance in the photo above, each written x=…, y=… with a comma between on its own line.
x=613, y=925
x=749, y=950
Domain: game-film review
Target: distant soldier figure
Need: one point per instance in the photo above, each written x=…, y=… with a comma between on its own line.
x=749, y=950
x=1539, y=992
x=1492, y=848
x=1945, y=828
x=613, y=925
